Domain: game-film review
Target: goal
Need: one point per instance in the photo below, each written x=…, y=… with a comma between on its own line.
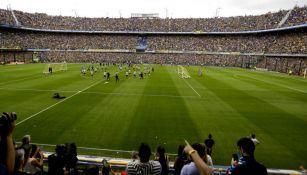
x=55, y=67
x=183, y=72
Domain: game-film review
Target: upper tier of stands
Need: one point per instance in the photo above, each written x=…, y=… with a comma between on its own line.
x=297, y=16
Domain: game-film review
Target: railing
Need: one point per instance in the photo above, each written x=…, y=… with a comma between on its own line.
x=118, y=159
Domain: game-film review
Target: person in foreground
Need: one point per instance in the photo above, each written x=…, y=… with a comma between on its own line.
x=7, y=151
x=144, y=166
x=247, y=163
x=202, y=167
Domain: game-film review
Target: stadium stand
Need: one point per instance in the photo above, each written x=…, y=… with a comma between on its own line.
x=278, y=49
x=230, y=24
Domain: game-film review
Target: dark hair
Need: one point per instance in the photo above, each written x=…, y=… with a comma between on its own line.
x=34, y=148
x=201, y=149
x=180, y=150
x=92, y=170
x=162, y=159
x=247, y=145
x=253, y=136
x=144, y=152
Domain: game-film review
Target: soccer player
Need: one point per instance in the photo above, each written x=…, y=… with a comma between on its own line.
x=108, y=76
x=92, y=72
x=104, y=75
x=50, y=70
x=134, y=74
x=116, y=77
x=200, y=72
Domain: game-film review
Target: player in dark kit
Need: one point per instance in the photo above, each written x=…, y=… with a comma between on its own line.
x=116, y=77
x=50, y=69
x=108, y=76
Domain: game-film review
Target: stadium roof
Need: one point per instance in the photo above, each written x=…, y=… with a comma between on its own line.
x=165, y=8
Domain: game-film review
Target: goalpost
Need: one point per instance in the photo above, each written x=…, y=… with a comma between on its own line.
x=55, y=67
x=183, y=72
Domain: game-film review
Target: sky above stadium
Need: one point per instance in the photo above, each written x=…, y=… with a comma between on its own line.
x=165, y=8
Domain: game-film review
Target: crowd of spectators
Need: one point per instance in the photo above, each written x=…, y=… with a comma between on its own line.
x=278, y=64
x=223, y=24
x=207, y=49
x=289, y=43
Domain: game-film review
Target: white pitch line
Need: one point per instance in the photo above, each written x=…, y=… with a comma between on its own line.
x=37, y=90
x=192, y=87
x=57, y=103
x=146, y=95
x=271, y=82
x=101, y=93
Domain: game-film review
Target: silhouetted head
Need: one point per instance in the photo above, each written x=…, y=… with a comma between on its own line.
x=200, y=148
x=144, y=152
x=161, y=150
x=180, y=150
x=246, y=146
x=26, y=139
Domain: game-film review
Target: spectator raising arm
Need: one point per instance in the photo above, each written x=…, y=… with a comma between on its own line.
x=202, y=167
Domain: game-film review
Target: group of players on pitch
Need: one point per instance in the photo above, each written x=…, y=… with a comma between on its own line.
x=107, y=76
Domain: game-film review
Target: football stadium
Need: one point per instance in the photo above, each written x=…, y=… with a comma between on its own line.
x=99, y=87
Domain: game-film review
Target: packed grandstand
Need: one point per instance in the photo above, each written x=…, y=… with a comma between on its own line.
x=272, y=41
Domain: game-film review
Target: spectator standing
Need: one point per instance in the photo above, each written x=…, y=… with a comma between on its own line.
x=198, y=166
x=163, y=159
x=106, y=168
x=253, y=138
x=191, y=168
x=209, y=142
x=180, y=160
x=34, y=161
x=144, y=166
x=247, y=163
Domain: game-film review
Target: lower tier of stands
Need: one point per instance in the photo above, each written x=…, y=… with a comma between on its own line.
x=270, y=62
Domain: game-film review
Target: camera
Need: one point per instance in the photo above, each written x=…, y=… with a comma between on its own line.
x=6, y=118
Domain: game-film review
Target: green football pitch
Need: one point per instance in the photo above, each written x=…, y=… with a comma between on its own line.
x=162, y=109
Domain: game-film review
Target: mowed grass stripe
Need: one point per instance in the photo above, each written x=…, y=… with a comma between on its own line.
x=290, y=100
x=214, y=115
x=240, y=123
x=98, y=115
x=272, y=120
x=160, y=120
x=233, y=103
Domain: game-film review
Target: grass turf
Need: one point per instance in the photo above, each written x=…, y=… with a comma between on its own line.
x=162, y=109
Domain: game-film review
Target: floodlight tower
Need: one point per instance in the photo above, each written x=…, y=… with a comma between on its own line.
x=75, y=12
x=120, y=13
x=217, y=11
x=13, y=14
x=166, y=13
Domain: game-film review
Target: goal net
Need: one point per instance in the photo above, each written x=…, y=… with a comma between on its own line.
x=55, y=67
x=183, y=72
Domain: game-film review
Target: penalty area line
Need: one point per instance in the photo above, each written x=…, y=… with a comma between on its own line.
x=191, y=87
x=57, y=103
